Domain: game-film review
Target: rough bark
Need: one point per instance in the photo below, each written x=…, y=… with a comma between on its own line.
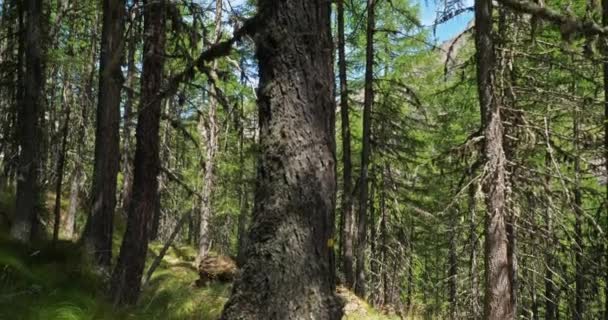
x=368, y=102
x=99, y=229
x=126, y=278
x=29, y=129
x=288, y=273
x=348, y=220
x=498, y=302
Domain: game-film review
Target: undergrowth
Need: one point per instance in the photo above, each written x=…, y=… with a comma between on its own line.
x=55, y=282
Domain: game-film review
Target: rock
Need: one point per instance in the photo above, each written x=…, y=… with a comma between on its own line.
x=216, y=268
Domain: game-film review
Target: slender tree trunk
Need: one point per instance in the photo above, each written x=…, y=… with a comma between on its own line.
x=410, y=270
x=550, y=296
x=74, y=202
x=61, y=164
x=178, y=227
x=29, y=129
x=360, y=286
x=99, y=228
x=453, y=266
x=579, y=304
x=129, y=109
x=498, y=301
x=243, y=211
x=287, y=274
x=348, y=218
x=475, y=307
x=210, y=133
x=384, y=240
x=126, y=278
x=605, y=69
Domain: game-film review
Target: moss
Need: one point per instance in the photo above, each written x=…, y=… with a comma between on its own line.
x=54, y=282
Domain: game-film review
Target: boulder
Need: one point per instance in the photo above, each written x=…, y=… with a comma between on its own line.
x=216, y=268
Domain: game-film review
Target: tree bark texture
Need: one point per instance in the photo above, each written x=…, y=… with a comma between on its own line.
x=287, y=273
x=498, y=302
x=99, y=229
x=126, y=278
x=360, y=285
x=29, y=128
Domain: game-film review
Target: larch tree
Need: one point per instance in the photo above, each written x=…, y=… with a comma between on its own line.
x=99, y=229
x=126, y=277
x=30, y=109
x=498, y=302
x=368, y=103
x=288, y=251
x=209, y=131
x=347, y=232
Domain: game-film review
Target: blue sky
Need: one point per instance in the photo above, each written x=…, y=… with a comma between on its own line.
x=449, y=29
x=429, y=11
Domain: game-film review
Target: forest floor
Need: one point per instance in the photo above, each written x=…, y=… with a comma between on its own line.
x=55, y=282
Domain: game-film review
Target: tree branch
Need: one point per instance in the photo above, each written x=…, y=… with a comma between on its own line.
x=568, y=23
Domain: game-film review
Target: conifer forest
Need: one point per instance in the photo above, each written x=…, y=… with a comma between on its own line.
x=303, y=159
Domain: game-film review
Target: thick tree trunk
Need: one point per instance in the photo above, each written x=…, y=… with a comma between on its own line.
x=210, y=132
x=498, y=287
x=126, y=278
x=288, y=273
x=29, y=129
x=360, y=286
x=99, y=228
x=348, y=219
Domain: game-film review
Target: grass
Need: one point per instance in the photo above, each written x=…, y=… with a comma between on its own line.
x=45, y=282
x=42, y=281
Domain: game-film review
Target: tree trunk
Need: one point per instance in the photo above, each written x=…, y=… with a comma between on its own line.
x=498, y=303
x=243, y=190
x=550, y=296
x=126, y=278
x=61, y=164
x=579, y=303
x=348, y=219
x=474, y=242
x=161, y=254
x=605, y=245
x=210, y=133
x=453, y=266
x=288, y=273
x=99, y=228
x=129, y=109
x=29, y=129
x=70, y=222
x=360, y=289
